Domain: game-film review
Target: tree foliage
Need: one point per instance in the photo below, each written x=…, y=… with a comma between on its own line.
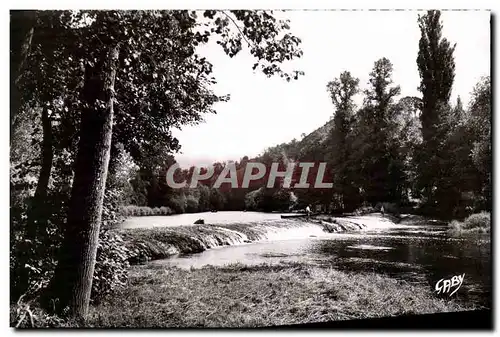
x=436, y=66
x=107, y=83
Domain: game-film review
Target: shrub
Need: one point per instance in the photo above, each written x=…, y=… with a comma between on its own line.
x=251, y=200
x=130, y=210
x=191, y=204
x=111, y=266
x=478, y=220
x=455, y=226
x=475, y=223
x=34, y=261
x=178, y=204
x=165, y=210
x=133, y=210
x=39, y=256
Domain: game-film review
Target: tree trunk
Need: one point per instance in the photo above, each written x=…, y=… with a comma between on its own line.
x=72, y=282
x=22, y=28
x=38, y=213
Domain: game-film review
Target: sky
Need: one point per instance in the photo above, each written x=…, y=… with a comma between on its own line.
x=264, y=112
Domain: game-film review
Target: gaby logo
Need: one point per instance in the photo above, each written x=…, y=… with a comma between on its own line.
x=444, y=286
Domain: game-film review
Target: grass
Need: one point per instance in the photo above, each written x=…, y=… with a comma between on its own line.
x=264, y=295
x=479, y=223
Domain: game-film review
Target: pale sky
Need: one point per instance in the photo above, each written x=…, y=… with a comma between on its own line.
x=264, y=112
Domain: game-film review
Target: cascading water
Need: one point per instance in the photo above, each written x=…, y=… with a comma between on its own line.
x=162, y=242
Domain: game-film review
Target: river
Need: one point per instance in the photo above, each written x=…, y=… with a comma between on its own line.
x=423, y=253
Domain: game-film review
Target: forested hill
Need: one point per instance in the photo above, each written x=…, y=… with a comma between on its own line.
x=314, y=146
x=309, y=143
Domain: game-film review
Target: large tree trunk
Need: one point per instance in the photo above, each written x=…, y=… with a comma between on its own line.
x=22, y=28
x=72, y=282
x=38, y=213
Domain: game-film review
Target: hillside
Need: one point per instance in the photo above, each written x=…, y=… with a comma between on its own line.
x=313, y=146
x=306, y=149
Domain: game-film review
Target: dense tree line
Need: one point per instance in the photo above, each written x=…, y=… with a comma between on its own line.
x=425, y=152
x=154, y=192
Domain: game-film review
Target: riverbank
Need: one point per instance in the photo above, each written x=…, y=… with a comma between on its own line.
x=264, y=295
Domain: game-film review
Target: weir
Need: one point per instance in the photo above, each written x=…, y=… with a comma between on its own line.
x=163, y=242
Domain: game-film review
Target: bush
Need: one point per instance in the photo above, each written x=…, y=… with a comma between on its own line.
x=143, y=211
x=34, y=262
x=251, y=200
x=133, y=210
x=111, y=266
x=478, y=220
x=165, y=210
x=455, y=226
x=191, y=204
x=476, y=223
x=128, y=210
x=178, y=204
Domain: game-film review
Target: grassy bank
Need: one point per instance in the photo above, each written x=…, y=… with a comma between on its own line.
x=242, y=296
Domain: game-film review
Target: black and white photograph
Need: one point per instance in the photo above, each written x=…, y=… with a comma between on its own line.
x=250, y=168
